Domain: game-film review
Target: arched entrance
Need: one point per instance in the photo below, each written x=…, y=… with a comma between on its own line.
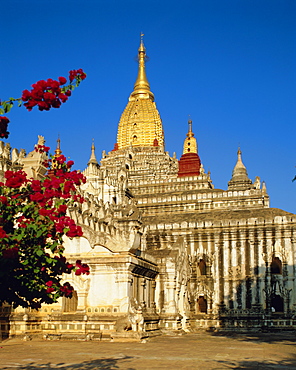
x=276, y=266
x=202, y=305
x=277, y=303
x=70, y=304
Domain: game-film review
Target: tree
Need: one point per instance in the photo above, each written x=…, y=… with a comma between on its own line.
x=33, y=214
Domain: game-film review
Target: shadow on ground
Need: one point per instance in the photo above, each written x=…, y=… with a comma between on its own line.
x=106, y=363
x=260, y=365
x=268, y=337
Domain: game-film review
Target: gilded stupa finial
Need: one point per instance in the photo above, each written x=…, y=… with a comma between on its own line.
x=55, y=164
x=142, y=85
x=190, y=144
x=58, y=148
x=142, y=40
x=189, y=124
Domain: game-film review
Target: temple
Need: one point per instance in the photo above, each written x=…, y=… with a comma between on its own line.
x=167, y=250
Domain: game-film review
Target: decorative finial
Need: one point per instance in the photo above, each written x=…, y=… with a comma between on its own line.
x=142, y=85
x=190, y=143
x=239, y=168
x=239, y=152
x=55, y=165
x=142, y=47
x=58, y=149
x=189, y=123
x=93, y=158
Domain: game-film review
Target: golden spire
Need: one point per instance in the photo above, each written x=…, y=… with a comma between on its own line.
x=54, y=163
x=140, y=123
x=190, y=145
x=142, y=85
x=58, y=151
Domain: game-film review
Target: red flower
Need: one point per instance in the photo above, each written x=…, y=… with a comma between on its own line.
x=56, y=103
x=4, y=121
x=82, y=268
x=36, y=185
x=45, y=94
x=15, y=179
x=70, y=164
x=23, y=221
x=3, y=200
x=42, y=105
x=62, y=80
x=67, y=290
x=36, y=197
x=69, y=266
x=62, y=208
x=26, y=95
x=76, y=73
x=45, y=212
x=63, y=97
x=61, y=159
x=2, y=233
x=50, y=290
x=74, y=231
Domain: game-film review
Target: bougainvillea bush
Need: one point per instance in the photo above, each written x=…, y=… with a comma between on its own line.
x=33, y=213
x=33, y=221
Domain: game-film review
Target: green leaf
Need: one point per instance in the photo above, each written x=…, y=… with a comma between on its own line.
x=7, y=106
x=18, y=237
x=39, y=232
x=39, y=252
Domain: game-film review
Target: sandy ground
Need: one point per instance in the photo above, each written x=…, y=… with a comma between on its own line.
x=190, y=351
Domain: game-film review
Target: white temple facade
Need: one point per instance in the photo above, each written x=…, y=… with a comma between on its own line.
x=166, y=250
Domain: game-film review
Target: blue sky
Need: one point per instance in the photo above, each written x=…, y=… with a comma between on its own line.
x=228, y=64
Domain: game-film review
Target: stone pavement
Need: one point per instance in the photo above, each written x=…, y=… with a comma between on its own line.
x=190, y=351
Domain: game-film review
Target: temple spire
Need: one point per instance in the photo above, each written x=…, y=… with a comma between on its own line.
x=142, y=85
x=93, y=158
x=58, y=151
x=240, y=179
x=189, y=163
x=239, y=169
x=54, y=163
x=190, y=144
x=140, y=123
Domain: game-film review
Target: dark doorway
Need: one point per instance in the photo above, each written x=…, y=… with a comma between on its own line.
x=202, y=267
x=276, y=266
x=277, y=303
x=202, y=304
